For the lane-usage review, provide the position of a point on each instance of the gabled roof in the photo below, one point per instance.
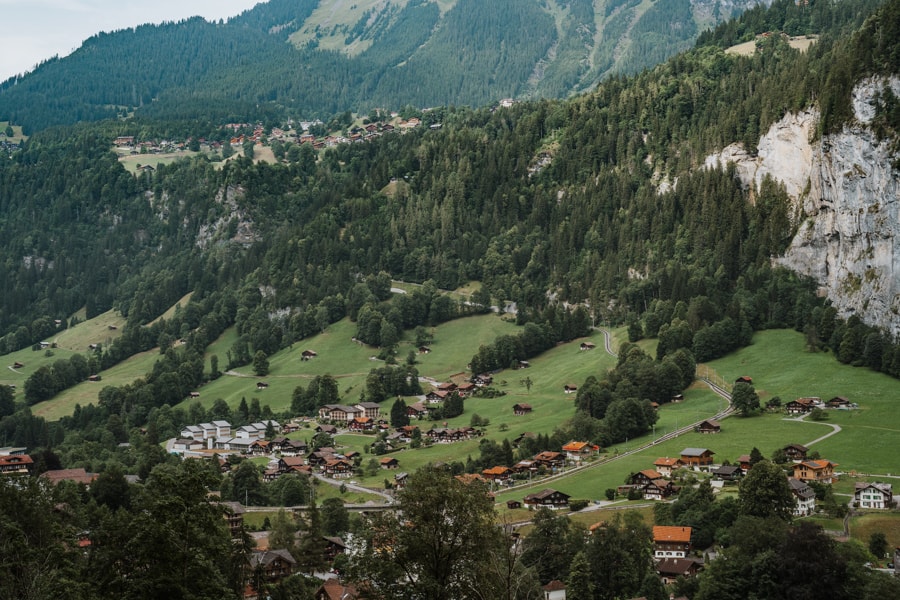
(816, 465)
(266, 557)
(695, 451)
(885, 488)
(801, 489)
(665, 533)
(651, 474)
(667, 462)
(676, 566)
(578, 447)
(76, 475)
(543, 494)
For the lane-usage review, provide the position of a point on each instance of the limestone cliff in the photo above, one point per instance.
(847, 203)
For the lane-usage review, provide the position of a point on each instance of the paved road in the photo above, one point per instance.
(835, 429)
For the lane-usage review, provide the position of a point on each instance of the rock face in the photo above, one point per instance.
(847, 200)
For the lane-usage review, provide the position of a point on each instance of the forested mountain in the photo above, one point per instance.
(308, 58)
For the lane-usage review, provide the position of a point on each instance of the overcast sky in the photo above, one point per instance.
(33, 30)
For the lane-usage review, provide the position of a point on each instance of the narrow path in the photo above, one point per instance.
(835, 429)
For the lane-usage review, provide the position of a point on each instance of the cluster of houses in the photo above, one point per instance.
(801, 406)
(219, 436)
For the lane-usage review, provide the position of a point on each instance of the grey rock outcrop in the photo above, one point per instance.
(846, 197)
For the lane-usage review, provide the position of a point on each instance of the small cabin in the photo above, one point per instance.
(94, 378)
(261, 385)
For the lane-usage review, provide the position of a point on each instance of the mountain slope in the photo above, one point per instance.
(319, 57)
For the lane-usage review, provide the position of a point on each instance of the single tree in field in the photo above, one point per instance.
(260, 363)
(745, 399)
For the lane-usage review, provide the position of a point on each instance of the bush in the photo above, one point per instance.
(576, 505)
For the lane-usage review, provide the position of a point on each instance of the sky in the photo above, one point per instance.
(34, 30)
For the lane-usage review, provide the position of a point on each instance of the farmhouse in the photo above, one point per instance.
(274, 565)
(587, 346)
(308, 355)
(338, 468)
(417, 411)
(521, 409)
(644, 477)
(728, 473)
(483, 379)
(549, 498)
(261, 385)
(550, 459)
(821, 471)
(466, 389)
(695, 458)
(570, 388)
(659, 489)
(873, 495)
(436, 396)
(15, 464)
(389, 463)
(497, 473)
(671, 541)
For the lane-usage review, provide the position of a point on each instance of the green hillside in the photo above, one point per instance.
(315, 58)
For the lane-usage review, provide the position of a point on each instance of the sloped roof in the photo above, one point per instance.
(666, 533)
(696, 451)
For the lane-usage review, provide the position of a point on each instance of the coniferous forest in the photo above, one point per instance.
(563, 206)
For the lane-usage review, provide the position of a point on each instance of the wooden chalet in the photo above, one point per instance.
(570, 388)
(550, 459)
(709, 426)
(671, 541)
(587, 346)
(644, 477)
(483, 379)
(670, 569)
(728, 473)
(521, 409)
(333, 589)
(15, 464)
(417, 411)
(333, 546)
(659, 489)
(666, 466)
(839, 402)
(270, 566)
(338, 468)
(795, 452)
(361, 424)
(308, 354)
(447, 387)
(821, 471)
(436, 396)
(389, 462)
(743, 462)
(326, 428)
(549, 498)
(261, 385)
(513, 504)
(696, 458)
(234, 515)
(801, 406)
(465, 390)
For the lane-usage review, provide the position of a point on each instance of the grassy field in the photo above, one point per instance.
(780, 366)
(863, 526)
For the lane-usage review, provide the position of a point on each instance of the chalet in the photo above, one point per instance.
(549, 498)
(15, 464)
(447, 387)
(671, 541)
(361, 424)
(445, 435)
(329, 429)
(370, 409)
(522, 364)
(483, 379)
(709, 426)
(873, 495)
(17, 365)
(292, 464)
(570, 388)
(804, 498)
(728, 473)
(587, 346)
(744, 379)
(666, 466)
(318, 458)
(466, 389)
(644, 477)
(261, 385)
(839, 402)
(271, 566)
(390, 462)
(697, 458)
(333, 546)
(417, 411)
(821, 471)
(407, 432)
(400, 480)
(579, 450)
(521, 409)
(234, 516)
(670, 569)
(436, 396)
(333, 589)
(801, 405)
(659, 489)
(351, 454)
(308, 355)
(194, 394)
(513, 504)
(497, 473)
(94, 378)
(76, 475)
(795, 452)
(550, 459)
(338, 468)
(259, 448)
(424, 349)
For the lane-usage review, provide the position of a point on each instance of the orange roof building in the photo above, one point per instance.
(671, 541)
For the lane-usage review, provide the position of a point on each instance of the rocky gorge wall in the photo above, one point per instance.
(846, 202)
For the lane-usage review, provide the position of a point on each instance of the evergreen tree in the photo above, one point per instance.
(399, 416)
